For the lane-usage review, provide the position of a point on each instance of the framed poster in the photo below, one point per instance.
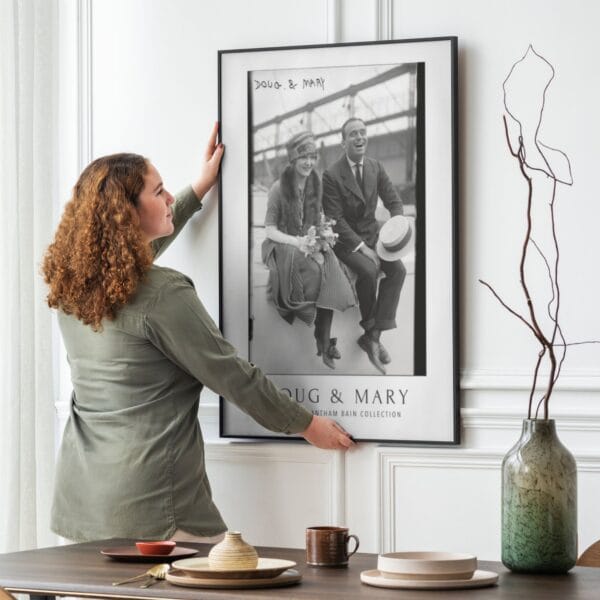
(338, 232)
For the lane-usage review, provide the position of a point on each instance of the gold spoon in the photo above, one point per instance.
(161, 573)
(157, 572)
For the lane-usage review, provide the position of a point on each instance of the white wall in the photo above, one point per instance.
(153, 89)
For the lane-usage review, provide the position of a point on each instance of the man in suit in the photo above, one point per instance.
(350, 191)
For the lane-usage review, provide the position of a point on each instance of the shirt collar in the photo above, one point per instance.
(352, 163)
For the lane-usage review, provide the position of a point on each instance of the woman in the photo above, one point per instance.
(305, 277)
(141, 347)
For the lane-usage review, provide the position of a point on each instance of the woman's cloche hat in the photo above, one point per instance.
(300, 144)
(394, 238)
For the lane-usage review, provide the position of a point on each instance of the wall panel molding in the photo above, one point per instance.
(78, 20)
(382, 490)
(290, 453)
(576, 419)
(392, 462)
(84, 83)
(520, 380)
(334, 21)
(582, 420)
(385, 20)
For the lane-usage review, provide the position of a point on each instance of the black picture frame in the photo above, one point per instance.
(417, 401)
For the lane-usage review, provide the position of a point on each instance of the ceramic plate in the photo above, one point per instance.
(479, 579)
(290, 577)
(267, 567)
(131, 553)
(427, 565)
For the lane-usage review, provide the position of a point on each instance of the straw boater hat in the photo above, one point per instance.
(394, 238)
(300, 144)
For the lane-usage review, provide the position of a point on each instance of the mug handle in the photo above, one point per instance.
(356, 542)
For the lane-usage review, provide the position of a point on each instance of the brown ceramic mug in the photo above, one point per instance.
(328, 546)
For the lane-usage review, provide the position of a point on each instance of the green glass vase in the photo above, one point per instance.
(539, 502)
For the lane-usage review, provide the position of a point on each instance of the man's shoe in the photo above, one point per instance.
(328, 361)
(326, 356)
(372, 350)
(332, 350)
(384, 355)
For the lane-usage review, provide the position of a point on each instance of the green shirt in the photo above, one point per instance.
(131, 462)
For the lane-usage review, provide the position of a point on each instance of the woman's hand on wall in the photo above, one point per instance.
(209, 168)
(325, 433)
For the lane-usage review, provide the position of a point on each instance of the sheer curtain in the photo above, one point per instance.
(28, 157)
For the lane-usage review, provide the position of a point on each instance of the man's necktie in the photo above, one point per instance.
(359, 178)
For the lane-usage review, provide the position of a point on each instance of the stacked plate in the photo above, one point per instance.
(133, 554)
(428, 571)
(270, 572)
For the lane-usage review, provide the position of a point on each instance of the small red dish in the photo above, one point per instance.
(156, 548)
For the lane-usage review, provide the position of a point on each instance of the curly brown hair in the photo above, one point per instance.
(98, 255)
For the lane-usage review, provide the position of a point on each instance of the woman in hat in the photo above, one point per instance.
(306, 281)
(141, 347)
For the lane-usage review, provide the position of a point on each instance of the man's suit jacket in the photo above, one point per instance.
(353, 211)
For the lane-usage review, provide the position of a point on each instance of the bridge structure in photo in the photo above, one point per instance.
(386, 102)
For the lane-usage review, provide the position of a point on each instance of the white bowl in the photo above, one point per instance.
(427, 565)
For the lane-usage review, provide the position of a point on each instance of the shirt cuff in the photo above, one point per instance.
(300, 421)
(189, 202)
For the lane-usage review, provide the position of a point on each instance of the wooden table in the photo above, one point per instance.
(80, 570)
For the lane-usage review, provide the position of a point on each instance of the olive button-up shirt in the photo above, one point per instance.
(131, 462)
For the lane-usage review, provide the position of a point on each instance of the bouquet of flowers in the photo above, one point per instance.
(319, 239)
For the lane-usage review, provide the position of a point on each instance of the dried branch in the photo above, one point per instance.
(556, 373)
(578, 343)
(563, 355)
(526, 168)
(533, 156)
(541, 354)
(508, 308)
(553, 317)
(537, 408)
(543, 257)
(534, 321)
(537, 143)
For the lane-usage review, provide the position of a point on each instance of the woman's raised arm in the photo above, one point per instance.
(209, 167)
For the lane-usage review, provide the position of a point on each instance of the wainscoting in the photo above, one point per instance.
(164, 67)
(393, 498)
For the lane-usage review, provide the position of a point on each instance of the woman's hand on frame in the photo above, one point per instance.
(209, 169)
(325, 433)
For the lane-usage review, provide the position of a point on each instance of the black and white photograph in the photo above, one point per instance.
(337, 215)
(334, 202)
